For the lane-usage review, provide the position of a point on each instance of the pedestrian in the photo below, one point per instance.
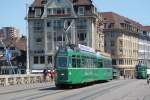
(124, 76)
(148, 79)
(52, 74)
(45, 72)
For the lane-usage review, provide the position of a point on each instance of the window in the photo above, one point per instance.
(39, 40)
(111, 25)
(105, 25)
(58, 24)
(58, 10)
(120, 43)
(81, 23)
(83, 62)
(107, 63)
(112, 43)
(35, 59)
(42, 59)
(81, 10)
(120, 61)
(82, 36)
(37, 12)
(49, 11)
(37, 26)
(78, 61)
(49, 59)
(49, 24)
(58, 1)
(114, 61)
(12, 48)
(122, 25)
(68, 10)
(113, 52)
(54, 10)
(112, 34)
(74, 61)
(99, 64)
(1, 48)
(61, 62)
(59, 38)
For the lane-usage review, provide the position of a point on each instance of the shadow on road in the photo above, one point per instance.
(49, 88)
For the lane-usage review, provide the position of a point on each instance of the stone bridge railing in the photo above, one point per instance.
(22, 79)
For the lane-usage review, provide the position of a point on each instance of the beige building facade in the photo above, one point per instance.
(121, 41)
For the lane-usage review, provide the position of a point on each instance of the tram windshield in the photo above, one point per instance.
(61, 62)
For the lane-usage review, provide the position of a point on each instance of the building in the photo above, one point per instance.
(99, 38)
(144, 46)
(121, 41)
(52, 23)
(18, 56)
(9, 33)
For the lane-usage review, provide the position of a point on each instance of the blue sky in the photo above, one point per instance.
(13, 11)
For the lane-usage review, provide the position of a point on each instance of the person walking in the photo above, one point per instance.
(52, 74)
(148, 79)
(45, 72)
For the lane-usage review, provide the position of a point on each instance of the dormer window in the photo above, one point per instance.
(37, 12)
(68, 10)
(81, 10)
(49, 11)
(58, 1)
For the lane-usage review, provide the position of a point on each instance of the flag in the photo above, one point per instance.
(7, 55)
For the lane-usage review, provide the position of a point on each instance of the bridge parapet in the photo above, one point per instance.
(22, 79)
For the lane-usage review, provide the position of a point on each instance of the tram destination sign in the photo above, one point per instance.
(86, 48)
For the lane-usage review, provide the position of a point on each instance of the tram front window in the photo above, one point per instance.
(61, 62)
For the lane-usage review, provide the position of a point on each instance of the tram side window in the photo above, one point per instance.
(94, 62)
(73, 61)
(90, 60)
(87, 64)
(83, 62)
(78, 61)
(99, 64)
(107, 63)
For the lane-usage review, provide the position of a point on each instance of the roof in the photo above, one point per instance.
(116, 18)
(21, 44)
(37, 3)
(83, 2)
(146, 28)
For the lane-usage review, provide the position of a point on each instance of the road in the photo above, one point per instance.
(131, 89)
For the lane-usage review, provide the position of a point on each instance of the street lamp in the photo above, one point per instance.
(28, 63)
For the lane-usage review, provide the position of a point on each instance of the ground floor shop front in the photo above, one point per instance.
(126, 72)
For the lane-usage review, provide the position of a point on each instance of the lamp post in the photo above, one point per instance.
(27, 33)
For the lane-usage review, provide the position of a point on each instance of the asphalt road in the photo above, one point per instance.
(113, 90)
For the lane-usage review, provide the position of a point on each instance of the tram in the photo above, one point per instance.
(81, 64)
(141, 71)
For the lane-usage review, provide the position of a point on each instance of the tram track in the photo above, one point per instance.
(104, 91)
(96, 93)
(22, 90)
(82, 93)
(38, 95)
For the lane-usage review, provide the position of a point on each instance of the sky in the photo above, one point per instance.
(13, 12)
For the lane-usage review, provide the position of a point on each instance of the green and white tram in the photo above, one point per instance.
(80, 64)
